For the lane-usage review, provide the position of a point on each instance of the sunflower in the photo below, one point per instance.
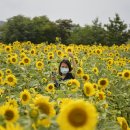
(123, 123)
(69, 83)
(105, 106)
(8, 71)
(2, 128)
(1, 74)
(126, 74)
(12, 102)
(10, 113)
(8, 48)
(88, 89)
(76, 60)
(119, 74)
(44, 122)
(26, 61)
(39, 65)
(13, 59)
(21, 63)
(50, 53)
(114, 71)
(50, 57)
(95, 70)
(44, 80)
(108, 67)
(103, 82)
(44, 106)
(59, 53)
(11, 80)
(109, 93)
(98, 51)
(22, 55)
(63, 101)
(85, 77)
(110, 61)
(25, 96)
(79, 71)
(1, 91)
(34, 113)
(101, 95)
(50, 88)
(73, 84)
(69, 49)
(33, 52)
(45, 49)
(77, 115)
(95, 86)
(11, 126)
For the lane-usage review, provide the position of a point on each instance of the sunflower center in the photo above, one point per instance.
(98, 51)
(50, 87)
(69, 83)
(87, 90)
(59, 53)
(120, 75)
(126, 74)
(101, 96)
(8, 71)
(7, 49)
(32, 52)
(79, 71)
(69, 50)
(124, 126)
(9, 115)
(95, 86)
(44, 108)
(21, 63)
(103, 82)
(77, 117)
(26, 60)
(85, 77)
(11, 103)
(25, 97)
(95, 70)
(10, 79)
(50, 57)
(39, 64)
(13, 59)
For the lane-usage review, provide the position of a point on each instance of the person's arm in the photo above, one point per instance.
(54, 80)
(73, 63)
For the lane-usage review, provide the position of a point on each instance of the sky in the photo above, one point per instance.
(79, 11)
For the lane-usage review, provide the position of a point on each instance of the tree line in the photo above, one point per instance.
(41, 29)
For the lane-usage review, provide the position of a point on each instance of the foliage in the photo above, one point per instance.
(41, 29)
(31, 92)
(116, 31)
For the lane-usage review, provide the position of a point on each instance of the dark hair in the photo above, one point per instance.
(66, 62)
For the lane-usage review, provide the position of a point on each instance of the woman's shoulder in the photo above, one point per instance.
(70, 75)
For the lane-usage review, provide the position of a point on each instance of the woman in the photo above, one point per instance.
(65, 70)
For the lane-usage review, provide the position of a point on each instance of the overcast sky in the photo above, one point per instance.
(80, 11)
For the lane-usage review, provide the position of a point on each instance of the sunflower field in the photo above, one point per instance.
(97, 99)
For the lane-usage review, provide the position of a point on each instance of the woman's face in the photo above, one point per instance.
(64, 65)
(64, 69)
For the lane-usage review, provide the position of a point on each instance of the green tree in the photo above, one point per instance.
(116, 31)
(64, 29)
(98, 32)
(89, 34)
(15, 29)
(43, 30)
(37, 30)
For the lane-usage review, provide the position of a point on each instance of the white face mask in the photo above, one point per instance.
(64, 70)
